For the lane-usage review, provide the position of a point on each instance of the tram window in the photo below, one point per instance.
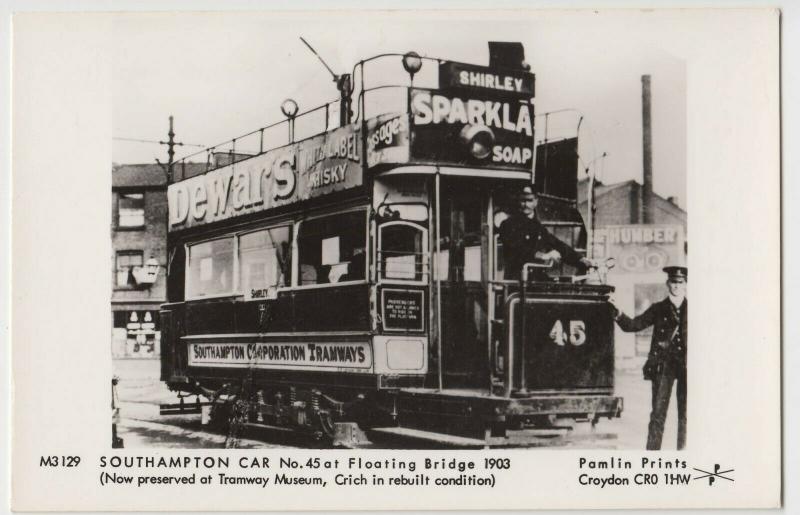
(499, 259)
(331, 249)
(210, 270)
(569, 234)
(264, 261)
(565, 234)
(401, 252)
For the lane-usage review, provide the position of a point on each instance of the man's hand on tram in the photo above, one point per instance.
(588, 263)
(553, 255)
(613, 301)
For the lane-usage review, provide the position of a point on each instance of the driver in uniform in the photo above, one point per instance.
(525, 239)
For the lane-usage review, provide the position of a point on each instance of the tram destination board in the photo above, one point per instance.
(471, 77)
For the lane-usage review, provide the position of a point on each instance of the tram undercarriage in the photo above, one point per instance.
(456, 417)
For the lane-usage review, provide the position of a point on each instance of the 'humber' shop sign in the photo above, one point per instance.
(313, 167)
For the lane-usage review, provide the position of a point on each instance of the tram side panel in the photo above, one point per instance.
(320, 321)
(568, 340)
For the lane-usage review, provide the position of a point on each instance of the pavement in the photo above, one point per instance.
(140, 392)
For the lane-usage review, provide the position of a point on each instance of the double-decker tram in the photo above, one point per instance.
(352, 274)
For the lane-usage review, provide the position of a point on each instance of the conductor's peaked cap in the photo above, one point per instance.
(677, 272)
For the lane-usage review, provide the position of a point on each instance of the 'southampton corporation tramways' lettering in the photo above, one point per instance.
(355, 355)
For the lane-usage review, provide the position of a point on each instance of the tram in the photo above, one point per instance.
(352, 274)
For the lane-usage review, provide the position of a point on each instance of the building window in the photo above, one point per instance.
(126, 261)
(265, 262)
(131, 210)
(332, 249)
(211, 268)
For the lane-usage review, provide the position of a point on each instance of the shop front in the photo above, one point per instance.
(641, 252)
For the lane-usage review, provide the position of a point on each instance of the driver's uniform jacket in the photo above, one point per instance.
(523, 237)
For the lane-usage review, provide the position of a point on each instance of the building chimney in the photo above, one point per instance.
(673, 200)
(647, 154)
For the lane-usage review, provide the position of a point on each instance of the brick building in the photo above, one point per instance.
(139, 259)
(138, 238)
(622, 203)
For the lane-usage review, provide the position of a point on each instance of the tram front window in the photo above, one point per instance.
(210, 268)
(332, 249)
(401, 251)
(570, 234)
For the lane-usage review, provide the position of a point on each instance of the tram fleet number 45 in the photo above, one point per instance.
(575, 335)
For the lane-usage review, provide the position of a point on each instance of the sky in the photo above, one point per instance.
(225, 74)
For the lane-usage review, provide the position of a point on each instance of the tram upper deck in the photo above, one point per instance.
(365, 242)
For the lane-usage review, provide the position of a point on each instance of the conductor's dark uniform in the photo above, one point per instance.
(523, 237)
(666, 363)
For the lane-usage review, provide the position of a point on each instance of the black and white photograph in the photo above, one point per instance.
(396, 239)
(396, 259)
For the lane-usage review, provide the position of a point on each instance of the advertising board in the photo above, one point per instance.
(641, 249)
(387, 139)
(471, 128)
(313, 167)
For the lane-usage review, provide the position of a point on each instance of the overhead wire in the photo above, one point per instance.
(137, 140)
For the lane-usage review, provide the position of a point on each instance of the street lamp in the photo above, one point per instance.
(289, 109)
(412, 63)
(146, 275)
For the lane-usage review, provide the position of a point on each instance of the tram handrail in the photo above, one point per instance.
(229, 146)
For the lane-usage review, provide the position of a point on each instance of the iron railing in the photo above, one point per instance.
(370, 101)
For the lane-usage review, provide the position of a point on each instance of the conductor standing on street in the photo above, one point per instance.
(524, 239)
(666, 362)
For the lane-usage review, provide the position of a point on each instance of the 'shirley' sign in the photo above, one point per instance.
(468, 76)
(310, 168)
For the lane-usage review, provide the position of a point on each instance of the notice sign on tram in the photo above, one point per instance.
(346, 355)
(313, 167)
(403, 310)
